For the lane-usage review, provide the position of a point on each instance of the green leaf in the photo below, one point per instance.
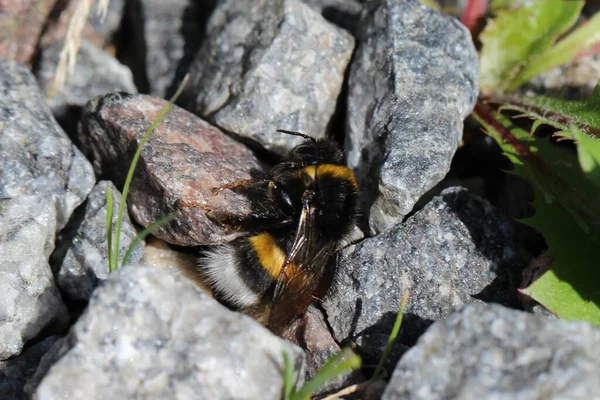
(581, 39)
(289, 377)
(498, 5)
(565, 115)
(588, 153)
(161, 114)
(145, 232)
(392, 338)
(109, 218)
(510, 40)
(337, 365)
(566, 214)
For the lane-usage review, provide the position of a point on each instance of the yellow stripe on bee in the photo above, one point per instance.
(311, 171)
(270, 255)
(336, 171)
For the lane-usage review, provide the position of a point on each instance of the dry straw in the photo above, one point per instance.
(68, 54)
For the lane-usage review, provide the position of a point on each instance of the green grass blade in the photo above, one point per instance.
(289, 380)
(109, 217)
(392, 338)
(163, 111)
(344, 361)
(145, 232)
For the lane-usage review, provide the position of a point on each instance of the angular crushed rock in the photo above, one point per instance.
(43, 178)
(29, 298)
(491, 352)
(313, 335)
(413, 80)
(35, 154)
(21, 22)
(449, 251)
(165, 36)
(81, 256)
(96, 73)
(182, 161)
(267, 65)
(151, 333)
(107, 26)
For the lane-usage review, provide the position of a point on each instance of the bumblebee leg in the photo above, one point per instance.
(349, 244)
(246, 183)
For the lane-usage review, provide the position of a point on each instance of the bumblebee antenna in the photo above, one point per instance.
(312, 139)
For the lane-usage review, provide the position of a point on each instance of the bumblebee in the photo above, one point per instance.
(302, 212)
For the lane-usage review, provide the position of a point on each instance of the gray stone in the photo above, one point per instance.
(29, 298)
(448, 252)
(43, 178)
(311, 333)
(36, 157)
(412, 82)
(15, 373)
(96, 73)
(267, 65)
(164, 38)
(491, 352)
(183, 160)
(81, 256)
(151, 333)
(107, 26)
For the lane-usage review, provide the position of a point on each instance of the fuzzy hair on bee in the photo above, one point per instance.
(302, 211)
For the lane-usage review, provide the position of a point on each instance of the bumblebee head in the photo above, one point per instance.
(314, 151)
(322, 151)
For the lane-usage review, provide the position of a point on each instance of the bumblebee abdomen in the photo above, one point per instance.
(242, 272)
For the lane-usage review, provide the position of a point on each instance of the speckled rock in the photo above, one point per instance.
(95, 32)
(448, 252)
(162, 41)
(165, 339)
(81, 256)
(491, 352)
(96, 73)
(182, 161)
(311, 333)
(267, 65)
(21, 22)
(412, 82)
(15, 373)
(106, 26)
(36, 157)
(29, 298)
(43, 178)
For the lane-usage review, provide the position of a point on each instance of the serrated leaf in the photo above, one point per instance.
(581, 39)
(566, 214)
(515, 36)
(564, 115)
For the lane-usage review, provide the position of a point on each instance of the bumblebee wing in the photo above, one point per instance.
(301, 272)
(295, 288)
